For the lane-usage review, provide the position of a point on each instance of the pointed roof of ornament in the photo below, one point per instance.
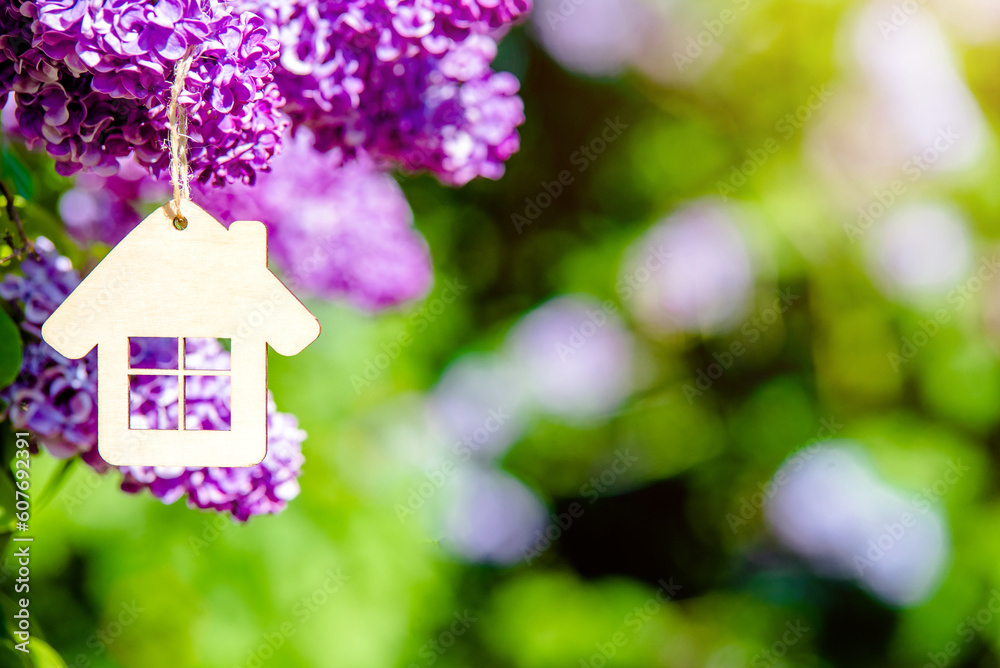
(202, 281)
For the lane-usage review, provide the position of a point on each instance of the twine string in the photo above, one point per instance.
(178, 123)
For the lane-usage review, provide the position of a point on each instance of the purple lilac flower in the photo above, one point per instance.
(691, 272)
(832, 507)
(348, 235)
(493, 517)
(454, 117)
(103, 208)
(407, 84)
(482, 403)
(53, 397)
(244, 492)
(575, 356)
(92, 83)
(56, 399)
(8, 119)
(598, 38)
(919, 251)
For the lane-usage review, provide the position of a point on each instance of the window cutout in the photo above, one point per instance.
(207, 404)
(152, 402)
(152, 352)
(206, 354)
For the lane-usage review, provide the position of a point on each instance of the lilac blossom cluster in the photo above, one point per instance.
(56, 399)
(403, 84)
(105, 208)
(407, 84)
(92, 80)
(243, 492)
(53, 397)
(349, 236)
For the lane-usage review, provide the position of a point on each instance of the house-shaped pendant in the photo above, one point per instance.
(202, 281)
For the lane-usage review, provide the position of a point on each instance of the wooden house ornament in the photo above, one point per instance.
(203, 281)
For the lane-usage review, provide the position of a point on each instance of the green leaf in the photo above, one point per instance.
(55, 482)
(38, 221)
(7, 498)
(44, 656)
(8, 606)
(11, 349)
(12, 657)
(12, 168)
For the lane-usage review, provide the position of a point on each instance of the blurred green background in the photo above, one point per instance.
(736, 230)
